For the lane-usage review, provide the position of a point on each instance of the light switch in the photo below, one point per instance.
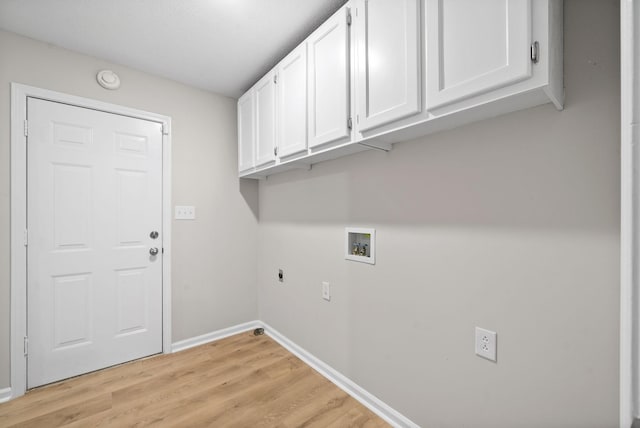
(185, 212)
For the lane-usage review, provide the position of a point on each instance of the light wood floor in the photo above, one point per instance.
(241, 381)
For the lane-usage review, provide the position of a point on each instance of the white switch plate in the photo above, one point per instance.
(326, 291)
(185, 212)
(486, 344)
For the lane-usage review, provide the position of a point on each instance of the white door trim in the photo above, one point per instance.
(629, 224)
(19, 94)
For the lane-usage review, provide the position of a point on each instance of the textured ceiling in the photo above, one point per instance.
(223, 46)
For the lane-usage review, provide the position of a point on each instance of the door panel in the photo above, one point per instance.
(265, 93)
(131, 300)
(292, 102)
(474, 47)
(329, 81)
(132, 198)
(246, 131)
(94, 195)
(72, 310)
(72, 218)
(388, 61)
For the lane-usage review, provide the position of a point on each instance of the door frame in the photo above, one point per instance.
(18, 266)
(629, 212)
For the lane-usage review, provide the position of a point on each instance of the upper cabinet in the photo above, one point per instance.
(291, 87)
(265, 119)
(476, 46)
(384, 71)
(330, 81)
(246, 132)
(387, 34)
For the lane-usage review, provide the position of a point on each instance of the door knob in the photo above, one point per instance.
(153, 251)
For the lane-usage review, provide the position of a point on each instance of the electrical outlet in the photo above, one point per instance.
(184, 212)
(326, 291)
(486, 344)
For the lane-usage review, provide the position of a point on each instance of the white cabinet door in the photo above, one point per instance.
(246, 132)
(388, 57)
(329, 81)
(292, 102)
(475, 46)
(265, 99)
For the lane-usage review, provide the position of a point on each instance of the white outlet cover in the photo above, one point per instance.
(486, 344)
(326, 291)
(185, 212)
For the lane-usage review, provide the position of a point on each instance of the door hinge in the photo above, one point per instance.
(26, 128)
(535, 52)
(349, 18)
(26, 237)
(350, 123)
(165, 129)
(26, 346)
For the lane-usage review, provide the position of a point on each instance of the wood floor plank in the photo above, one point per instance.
(239, 381)
(290, 403)
(213, 391)
(237, 409)
(69, 414)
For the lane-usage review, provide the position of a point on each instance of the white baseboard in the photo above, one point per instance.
(5, 394)
(369, 400)
(213, 336)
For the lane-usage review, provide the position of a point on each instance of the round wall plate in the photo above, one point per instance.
(108, 79)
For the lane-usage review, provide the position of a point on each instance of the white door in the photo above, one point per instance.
(329, 81)
(388, 33)
(94, 199)
(265, 99)
(246, 132)
(291, 85)
(475, 46)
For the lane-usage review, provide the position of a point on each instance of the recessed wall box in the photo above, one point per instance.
(360, 245)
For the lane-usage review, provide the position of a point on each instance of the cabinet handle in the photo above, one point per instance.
(535, 52)
(275, 151)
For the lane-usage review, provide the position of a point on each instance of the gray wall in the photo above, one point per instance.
(511, 224)
(214, 257)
